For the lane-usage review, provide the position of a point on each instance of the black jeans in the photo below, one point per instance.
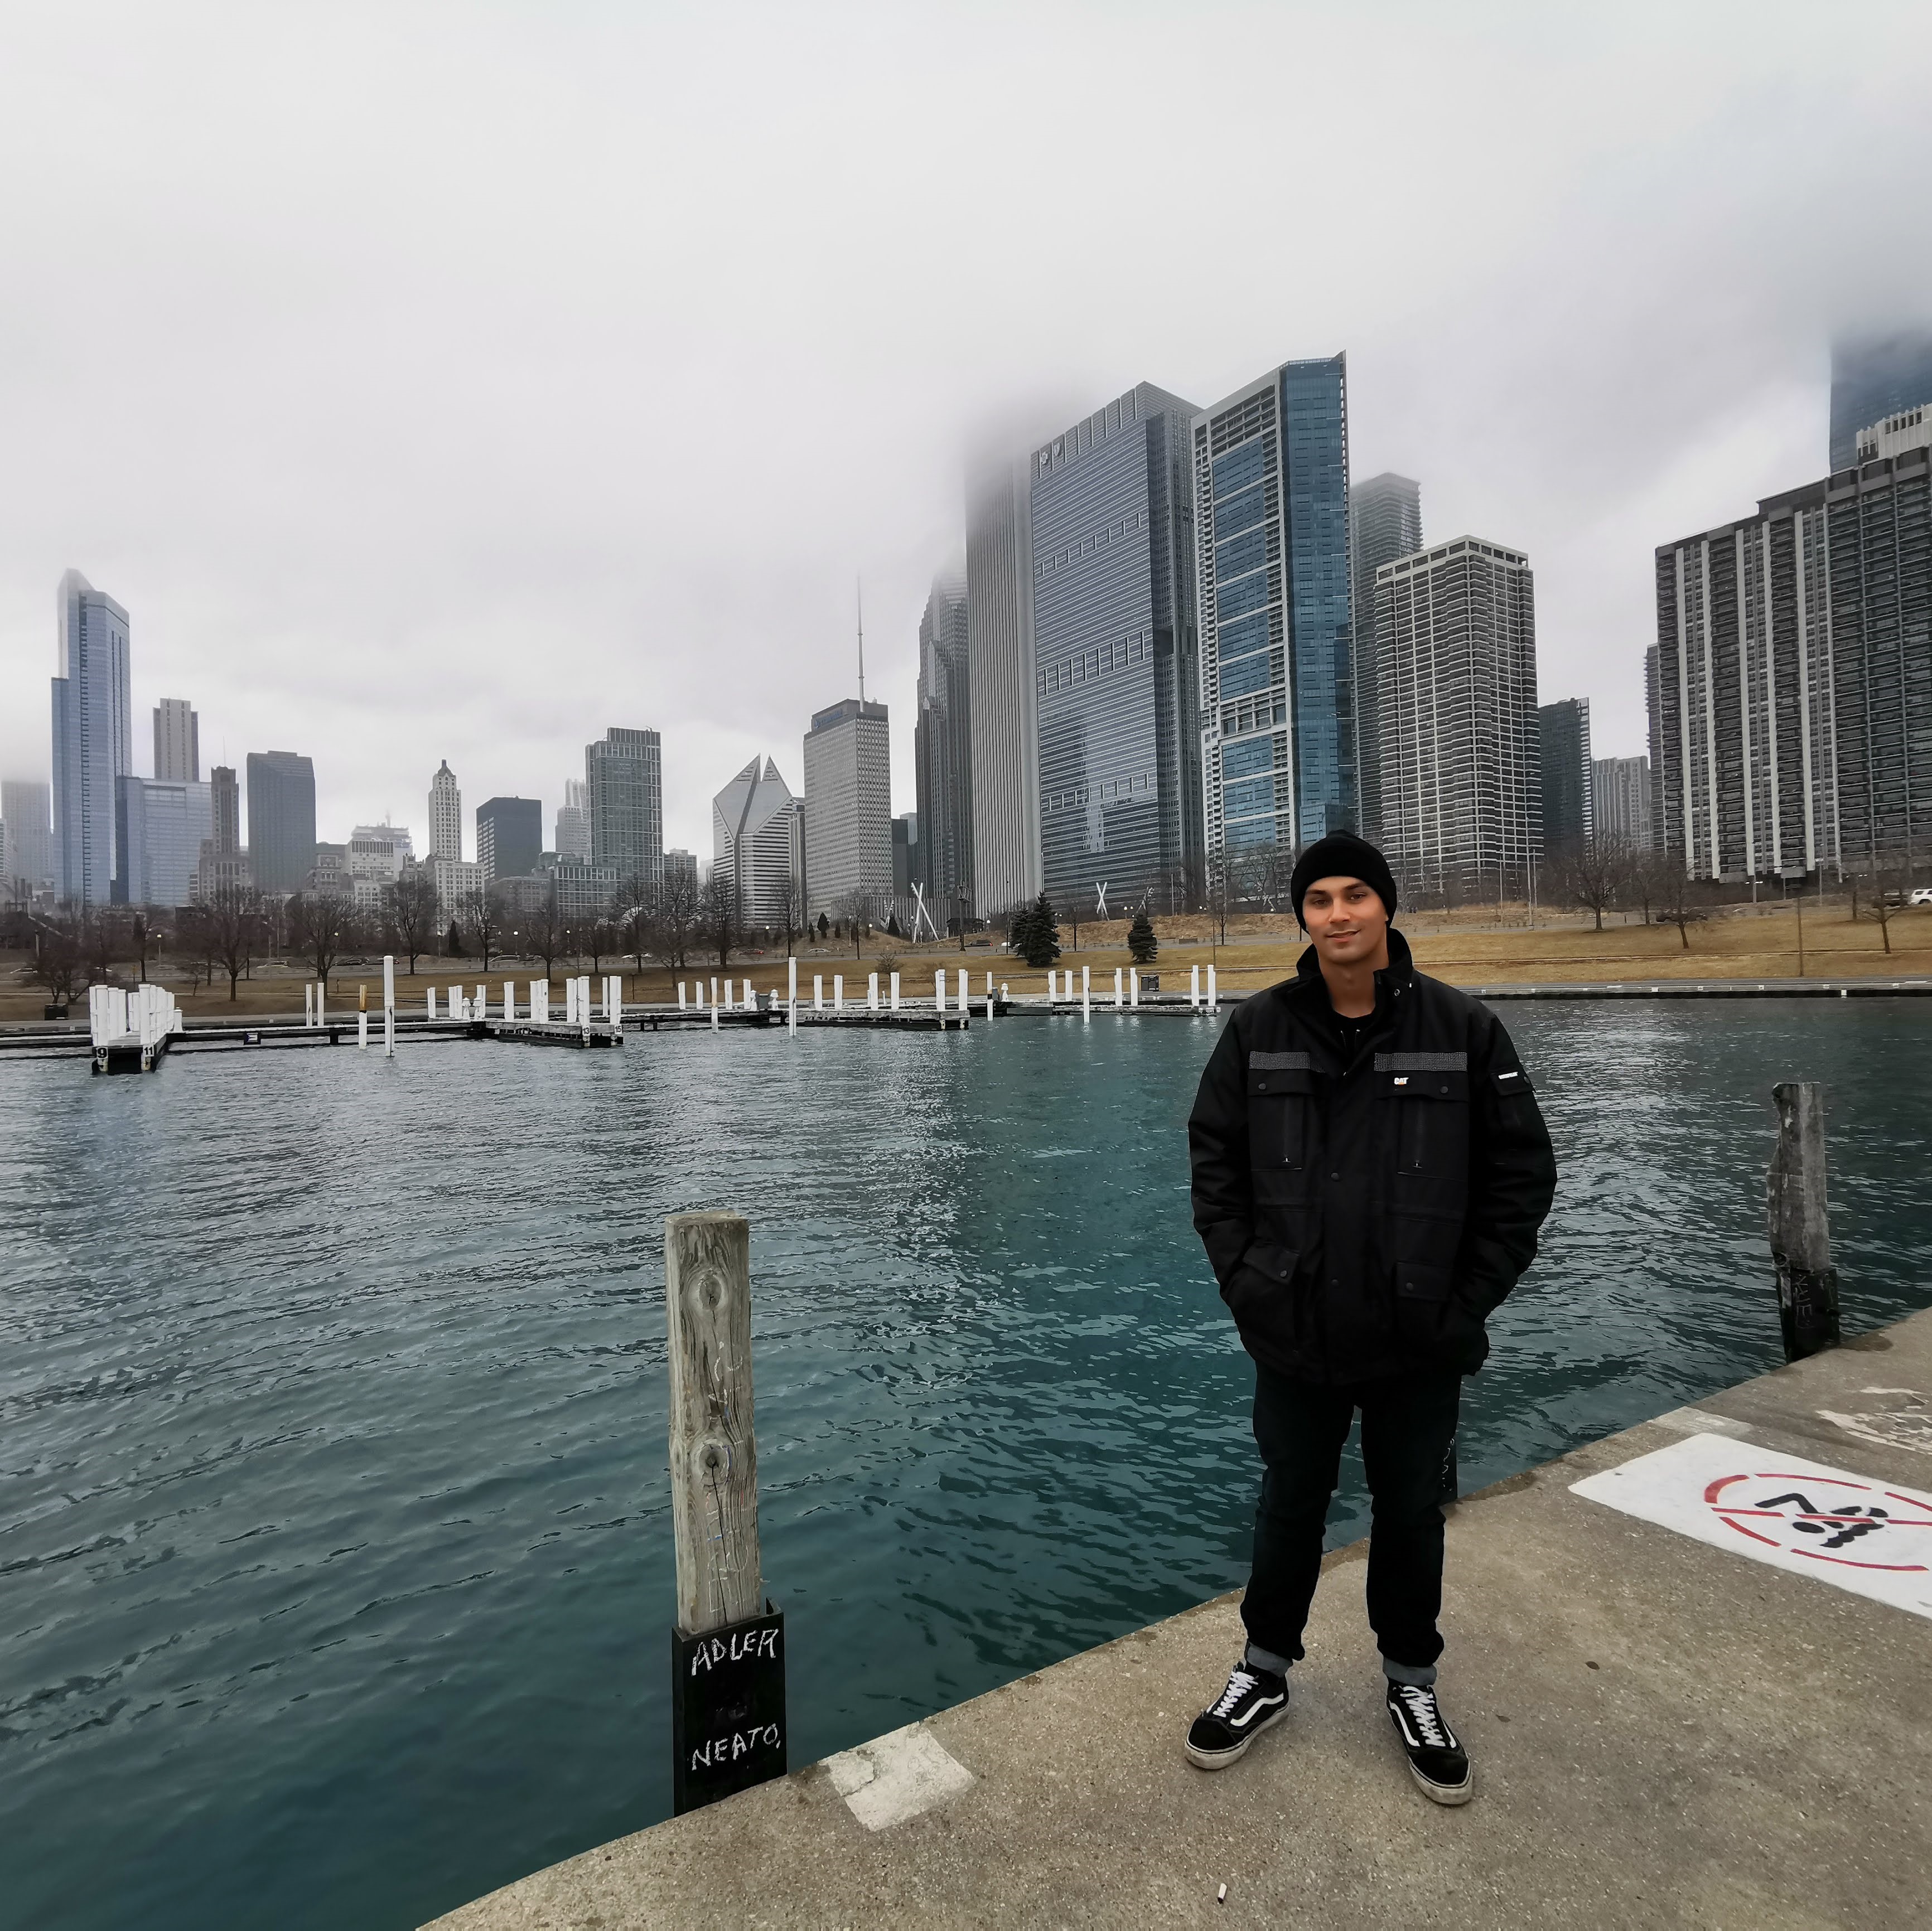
(1408, 1430)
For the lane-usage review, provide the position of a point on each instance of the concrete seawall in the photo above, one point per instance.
(1665, 1730)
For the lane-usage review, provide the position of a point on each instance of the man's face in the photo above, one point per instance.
(1346, 919)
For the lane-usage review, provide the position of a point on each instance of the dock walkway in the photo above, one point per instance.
(1664, 1732)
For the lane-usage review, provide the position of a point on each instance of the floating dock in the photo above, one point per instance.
(1684, 1707)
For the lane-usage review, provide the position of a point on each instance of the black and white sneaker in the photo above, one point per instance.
(1253, 1699)
(1436, 1759)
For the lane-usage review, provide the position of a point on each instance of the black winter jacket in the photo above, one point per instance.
(1363, 1219)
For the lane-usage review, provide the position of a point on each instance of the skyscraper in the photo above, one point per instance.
(1620, 801)
(573, 823)
(1564, 738)
(1874, 376)
(177, 742)
(509, 837)
(1385, 522)
(848, 794)
(92, 740)
(1277, 699)
(1000, 671)
(160, 830)
(758, 843)
(445, 815)
(1653, 711)
(1794, 712)
(223, 862)
(26, 812)
(281, 819)
(942, 754)
(1462, 785)
(1114, 651)
(624, 800)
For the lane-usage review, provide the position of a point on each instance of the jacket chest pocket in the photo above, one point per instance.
(1431, 1116)
(1279, 1128)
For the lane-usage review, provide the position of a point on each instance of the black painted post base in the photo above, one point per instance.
(727, 1710)
(1808, 1308)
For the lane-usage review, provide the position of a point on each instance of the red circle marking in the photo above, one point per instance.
(1729, 1515)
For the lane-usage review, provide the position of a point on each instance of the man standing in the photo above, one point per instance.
(1370, 1171)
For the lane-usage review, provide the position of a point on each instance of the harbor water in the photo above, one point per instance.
(334, 1534)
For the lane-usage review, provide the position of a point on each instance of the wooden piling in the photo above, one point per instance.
(1800, 1238)
(714, 1462)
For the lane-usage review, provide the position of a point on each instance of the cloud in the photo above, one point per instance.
(457, 383)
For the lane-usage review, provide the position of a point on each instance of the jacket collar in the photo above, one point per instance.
(1391, 982)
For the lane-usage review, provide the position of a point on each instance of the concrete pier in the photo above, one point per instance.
(1664, 1732)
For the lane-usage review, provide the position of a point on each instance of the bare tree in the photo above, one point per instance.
(674, 911)
(1889, 886)
(790, 898)
(546, 931)
(234, 916)
(1221, 886)
(321, 929)
(859, 910)
(1593, 873)
(717, 920)
(1674, 895)
(485, 915)
(414, 915)
(60, 962)
(1270, 873)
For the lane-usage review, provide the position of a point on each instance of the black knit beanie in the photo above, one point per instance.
(1342, 855)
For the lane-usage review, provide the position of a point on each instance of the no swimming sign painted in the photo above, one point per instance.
(1867, 1536)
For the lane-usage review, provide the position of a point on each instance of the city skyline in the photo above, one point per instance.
(341, 538)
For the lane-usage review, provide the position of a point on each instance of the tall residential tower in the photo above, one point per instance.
(92, 738)
(1114, 654)
(1461, 762)
(848, 809)
(942, 859)
(1385, 522)
(1277, 688)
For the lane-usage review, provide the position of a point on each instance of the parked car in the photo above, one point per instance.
(1922, 896)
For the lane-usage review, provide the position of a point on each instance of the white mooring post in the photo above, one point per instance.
(1213, 992)
(429, 998)
(750, 997)
(1086, 993)
(872, 992)
(308, 1005)
(838, 992)
(1194, 985)
(818, 992)
(791, 980)
(389, 1007)
(1133, 986)
(1120, 989)
(714, 993)
(896, 992)
(680, 995)
(939, 990)
(791, 1015)
(482, 1003)
(584, 1004)
(509, 1001)
(362, 1030)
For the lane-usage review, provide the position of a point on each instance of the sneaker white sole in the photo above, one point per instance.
(1449, 1795)
(1221, 1759)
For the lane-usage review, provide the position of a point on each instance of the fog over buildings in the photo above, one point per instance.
(418, 425)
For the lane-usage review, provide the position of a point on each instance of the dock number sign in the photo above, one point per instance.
(1835, 1527)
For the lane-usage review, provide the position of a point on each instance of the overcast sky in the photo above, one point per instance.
(455, 382)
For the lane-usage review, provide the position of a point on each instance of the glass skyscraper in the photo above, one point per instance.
(93, 743)
(1385, 522)
(281, 819)
(1114, 652)
(1873, 377)
(1278, 757)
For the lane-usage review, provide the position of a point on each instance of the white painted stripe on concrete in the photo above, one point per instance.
(1701, 1421)
(896, 1777)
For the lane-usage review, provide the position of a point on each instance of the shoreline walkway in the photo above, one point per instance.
(1665, 1730)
